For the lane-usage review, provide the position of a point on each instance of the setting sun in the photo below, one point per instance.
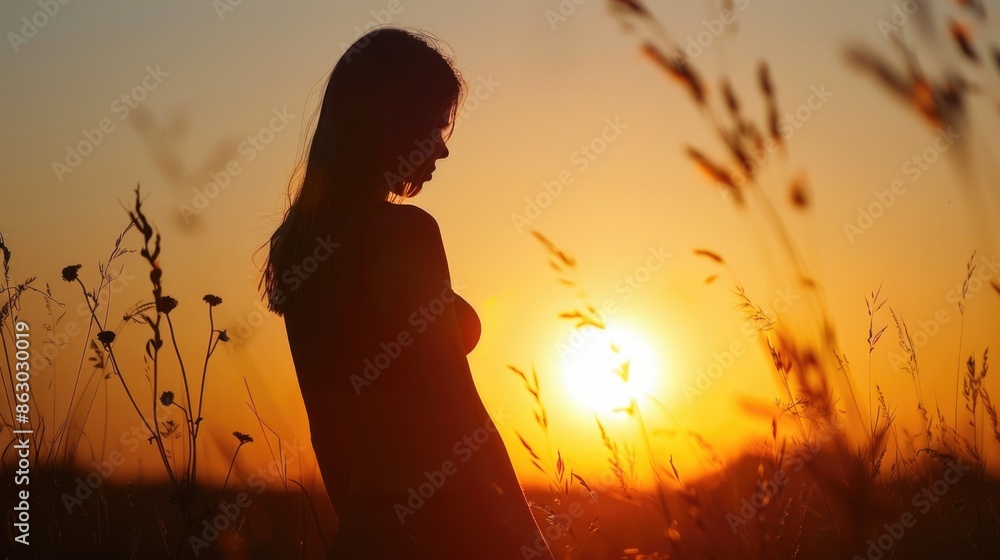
(604, 369)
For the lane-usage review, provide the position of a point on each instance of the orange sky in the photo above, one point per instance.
(238, 90)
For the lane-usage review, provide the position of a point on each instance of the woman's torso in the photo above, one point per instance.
(362, 377)
(396, 438)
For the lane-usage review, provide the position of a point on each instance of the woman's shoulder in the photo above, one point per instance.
(407, 213)
(391, 219)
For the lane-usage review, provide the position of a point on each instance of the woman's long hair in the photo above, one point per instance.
(385, 96)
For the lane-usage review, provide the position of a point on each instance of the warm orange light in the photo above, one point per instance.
(604, 369)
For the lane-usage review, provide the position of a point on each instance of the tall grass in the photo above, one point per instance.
(848, 483)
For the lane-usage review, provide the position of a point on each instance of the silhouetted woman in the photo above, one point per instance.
(412, 462)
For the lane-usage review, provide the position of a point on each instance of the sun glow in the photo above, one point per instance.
(605, 369)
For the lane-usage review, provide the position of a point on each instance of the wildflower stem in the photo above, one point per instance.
(196, 418)
(230, 471)
(208, 354)
(192, 438)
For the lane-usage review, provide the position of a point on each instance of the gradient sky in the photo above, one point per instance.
(223, 77)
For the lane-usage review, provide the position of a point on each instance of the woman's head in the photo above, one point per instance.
(388, 109)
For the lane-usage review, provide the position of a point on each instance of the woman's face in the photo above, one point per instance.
(439, 137)
(418, 165)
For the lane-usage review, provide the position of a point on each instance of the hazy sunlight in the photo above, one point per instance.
(605, 369)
